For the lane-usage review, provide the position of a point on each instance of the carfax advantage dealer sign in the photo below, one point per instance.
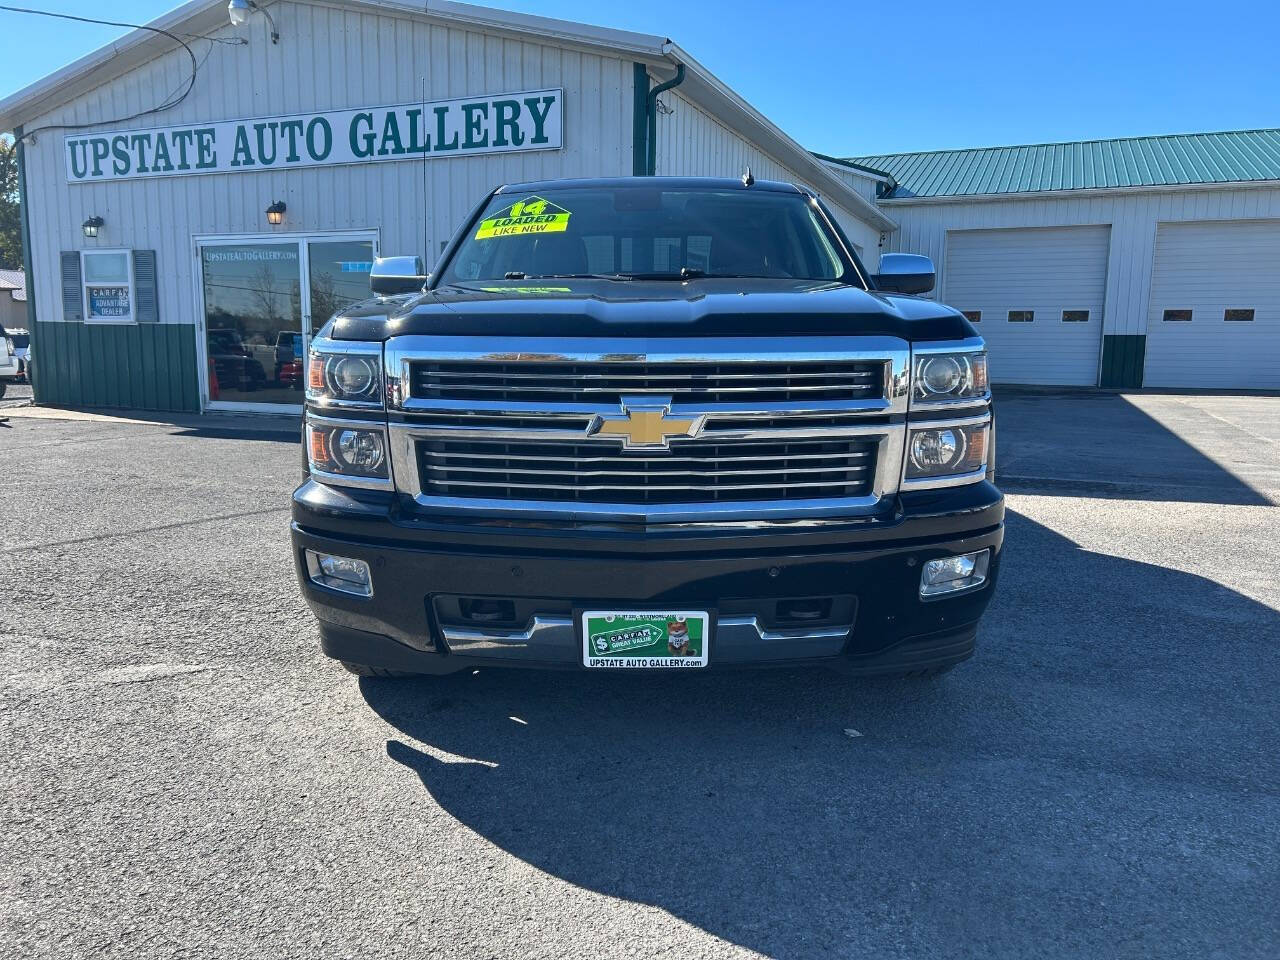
(443, 128)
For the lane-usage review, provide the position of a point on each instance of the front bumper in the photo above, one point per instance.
(841, 595)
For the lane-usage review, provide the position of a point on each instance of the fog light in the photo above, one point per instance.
(953, 574)
(339, 573)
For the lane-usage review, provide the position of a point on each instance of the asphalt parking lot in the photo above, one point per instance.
(15, 395)
(185, 775)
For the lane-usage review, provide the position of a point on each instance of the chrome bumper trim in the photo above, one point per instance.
(556, 638)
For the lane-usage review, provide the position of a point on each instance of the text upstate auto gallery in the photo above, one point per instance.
(514, 121)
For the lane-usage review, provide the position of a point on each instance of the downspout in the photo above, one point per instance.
(651, 110)
(29, 278)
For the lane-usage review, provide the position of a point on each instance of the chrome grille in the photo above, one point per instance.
(782, 429)
(702, 470)
(606, 382)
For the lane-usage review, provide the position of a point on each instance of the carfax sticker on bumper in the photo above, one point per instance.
(645, 639)
(530, 215)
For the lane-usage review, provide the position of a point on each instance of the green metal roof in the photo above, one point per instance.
(1235, 156)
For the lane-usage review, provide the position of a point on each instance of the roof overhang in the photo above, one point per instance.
(700, 86)
(1081, 193)
(201, 16)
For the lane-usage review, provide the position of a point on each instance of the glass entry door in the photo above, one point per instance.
(261, 298)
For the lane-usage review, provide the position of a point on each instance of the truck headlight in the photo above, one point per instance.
(948, 377)
(351, 452)
(345, 379)
(946, 452)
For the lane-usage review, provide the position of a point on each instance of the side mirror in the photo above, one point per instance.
(393, 275)
(906, 273)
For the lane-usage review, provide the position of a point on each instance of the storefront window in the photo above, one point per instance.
(253, 322)
(263, 300)
(108, 286)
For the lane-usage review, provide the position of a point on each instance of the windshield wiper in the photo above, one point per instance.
(686, 273)
(521, 275)
(573, 276)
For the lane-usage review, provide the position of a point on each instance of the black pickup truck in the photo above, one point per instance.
(648, 423)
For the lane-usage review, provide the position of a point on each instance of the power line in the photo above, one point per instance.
(173, 100)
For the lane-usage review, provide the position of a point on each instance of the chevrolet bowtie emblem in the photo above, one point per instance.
(645, 424)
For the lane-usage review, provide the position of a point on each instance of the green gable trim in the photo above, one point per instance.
(1123, 356)
(639, 120)
(1233, 156)
(130, 366)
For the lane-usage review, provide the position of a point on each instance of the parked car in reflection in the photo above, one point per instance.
(233, 362)
(289, 365)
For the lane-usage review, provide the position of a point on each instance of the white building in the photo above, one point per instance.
(13, 300)
(1150, 261)
(370, 127)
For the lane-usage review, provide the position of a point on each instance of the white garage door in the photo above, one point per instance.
(1039, 295)
(1215, 306)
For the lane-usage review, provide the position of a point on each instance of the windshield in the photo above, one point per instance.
(633, 232)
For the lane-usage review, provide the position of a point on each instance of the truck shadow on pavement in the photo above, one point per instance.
(1104, 445)
(1099, 781)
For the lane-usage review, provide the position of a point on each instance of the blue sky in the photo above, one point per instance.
(862, 78)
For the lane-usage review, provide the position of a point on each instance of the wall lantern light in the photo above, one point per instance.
(275, 213)
(90, 226)
(239, 10)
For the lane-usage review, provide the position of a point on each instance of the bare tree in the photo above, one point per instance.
(263, 294)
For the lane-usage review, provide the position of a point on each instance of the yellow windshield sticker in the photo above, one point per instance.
(530, 215)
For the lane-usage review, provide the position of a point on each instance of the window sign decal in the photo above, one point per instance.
(497, 123)
(530, 215)
(109, 302)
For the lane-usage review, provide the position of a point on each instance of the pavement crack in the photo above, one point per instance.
(117, 534)
(1186, 402)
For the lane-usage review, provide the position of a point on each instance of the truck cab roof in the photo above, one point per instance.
(650, 183)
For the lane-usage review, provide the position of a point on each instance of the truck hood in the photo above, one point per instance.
(637, 308)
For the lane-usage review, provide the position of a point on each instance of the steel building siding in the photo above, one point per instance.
(1137, 186)
(1133, 217)
(117, 365)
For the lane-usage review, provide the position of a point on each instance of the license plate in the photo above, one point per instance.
(646, 639)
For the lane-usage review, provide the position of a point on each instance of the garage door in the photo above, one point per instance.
(1215, 306)
(1037, 296)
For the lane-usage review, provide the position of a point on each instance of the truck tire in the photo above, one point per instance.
(3, 387)
(364, 670)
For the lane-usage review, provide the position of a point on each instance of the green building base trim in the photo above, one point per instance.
(1123, 356)
(149, 366)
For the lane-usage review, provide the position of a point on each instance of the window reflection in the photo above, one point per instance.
(253, 322)
(339, 275)
(255, 306)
